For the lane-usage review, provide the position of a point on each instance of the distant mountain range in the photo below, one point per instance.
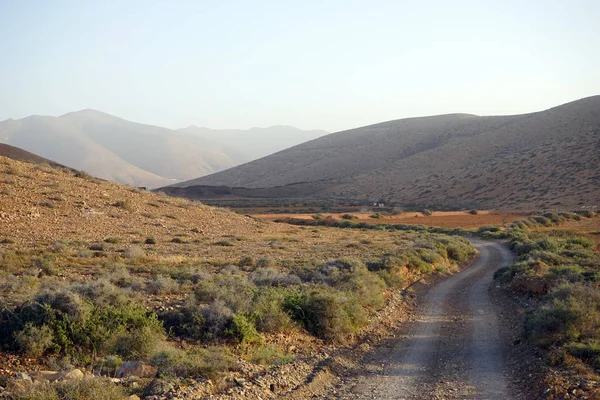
(115, 149)
(547, 159)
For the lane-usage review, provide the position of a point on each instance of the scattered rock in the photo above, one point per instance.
(22, 376)
(137, 369)
(157, 387)
(45, 376)
(73, 375)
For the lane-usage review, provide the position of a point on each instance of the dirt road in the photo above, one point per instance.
(452, 349)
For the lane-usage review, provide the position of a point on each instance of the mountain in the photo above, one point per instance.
(255, 143)
(547, 159)
(126, 152)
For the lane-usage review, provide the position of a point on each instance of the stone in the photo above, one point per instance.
(138, 369)
(157, 387)
(45, 376)
(22, 376)
(134, 397)
(73, 375)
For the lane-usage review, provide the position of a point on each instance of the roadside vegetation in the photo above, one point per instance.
(560, 272)
(198, 292)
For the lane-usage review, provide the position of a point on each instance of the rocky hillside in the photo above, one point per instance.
(546, 159)
(115, 149)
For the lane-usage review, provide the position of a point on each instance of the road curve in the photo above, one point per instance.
(452, 348)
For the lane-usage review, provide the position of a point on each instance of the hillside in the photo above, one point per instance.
(21, 155)
(545, 159)
(115, 149)
(254, 143)
(123, 274)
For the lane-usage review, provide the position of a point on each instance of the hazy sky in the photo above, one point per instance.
(312, 64)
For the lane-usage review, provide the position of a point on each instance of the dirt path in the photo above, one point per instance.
(451, 349)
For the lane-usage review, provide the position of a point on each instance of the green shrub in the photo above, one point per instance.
(318, 216)
(376, 216)
(329, 314)
(270, 356)
(244, 330)
(459, 252)
(588, 351)
(150, 240)
(473, 212)
(273, 277)
(161, 284)
(137, 343)
(427, 212)
(573, 315)
(34, 341)
(246, 261)
(349, 216)
(66, 322)
(268, 311)
(192, 364)
(80, 389)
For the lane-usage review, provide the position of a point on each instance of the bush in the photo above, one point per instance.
(588, 351)
(124, 204)
(326, 313)
(138, 343)
(134, 252)
(272, 277)
(473, 212)
(573, 315)
(270, 356)
(268, 311)
(161, 284)
(34, 341)
(80, 389)
(65, 323)
(459, 252)
(217, 319)
(246, 261)
(244, 330)
(150, 240)
(349, 216)
(427, 212)
(192, 364)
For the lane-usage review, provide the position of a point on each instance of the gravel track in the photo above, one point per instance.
(452, 347)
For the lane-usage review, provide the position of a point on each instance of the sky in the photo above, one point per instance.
(329, 64)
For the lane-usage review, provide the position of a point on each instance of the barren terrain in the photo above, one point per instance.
(542, 160)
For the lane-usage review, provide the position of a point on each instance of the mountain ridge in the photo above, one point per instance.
(457, 160)
(137, 154)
